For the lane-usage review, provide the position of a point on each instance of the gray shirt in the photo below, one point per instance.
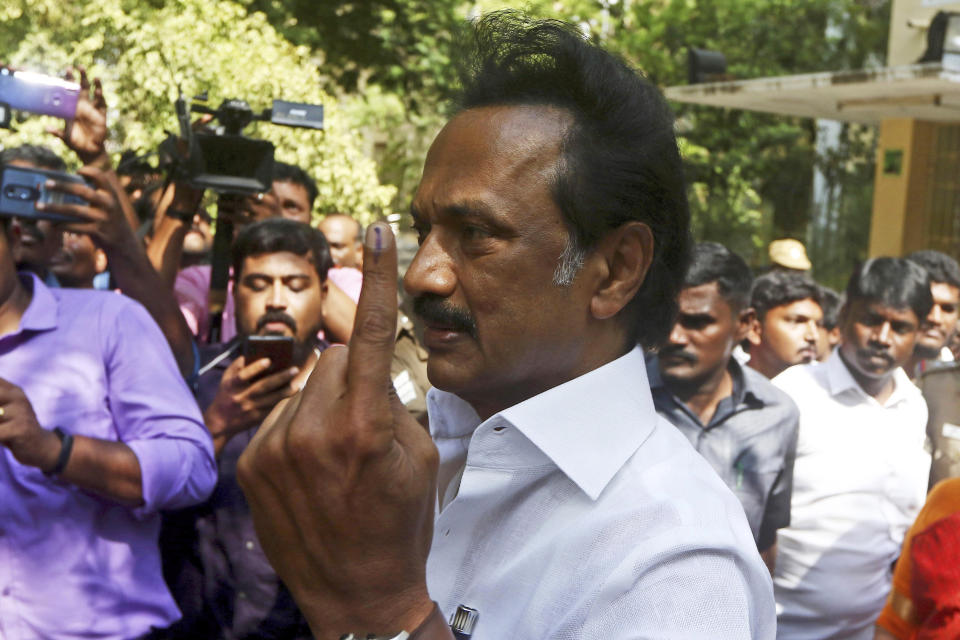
(751, 442)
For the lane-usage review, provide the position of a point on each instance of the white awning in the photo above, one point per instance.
(923, 91)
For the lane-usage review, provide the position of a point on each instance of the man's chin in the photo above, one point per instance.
(927, 349)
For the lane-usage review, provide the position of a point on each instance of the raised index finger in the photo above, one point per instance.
(375, 326)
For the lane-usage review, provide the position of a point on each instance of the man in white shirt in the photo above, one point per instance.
(860, 474)
(553, 238)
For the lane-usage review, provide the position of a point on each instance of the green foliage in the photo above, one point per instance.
(143, 51)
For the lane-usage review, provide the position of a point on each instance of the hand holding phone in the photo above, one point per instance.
(21, 189)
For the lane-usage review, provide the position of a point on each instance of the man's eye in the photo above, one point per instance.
(471, 232)
(948, 308)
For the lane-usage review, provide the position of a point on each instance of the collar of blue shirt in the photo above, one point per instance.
(41, 313)
(562, 422)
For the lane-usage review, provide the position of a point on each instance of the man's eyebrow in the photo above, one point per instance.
(462, 209)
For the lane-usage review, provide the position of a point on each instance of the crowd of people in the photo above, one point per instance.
(599, 429)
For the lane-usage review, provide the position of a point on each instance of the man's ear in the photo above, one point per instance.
(746, 321)
(755, 332)
(623, 259)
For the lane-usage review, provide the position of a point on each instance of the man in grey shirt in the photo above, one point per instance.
(744, 426)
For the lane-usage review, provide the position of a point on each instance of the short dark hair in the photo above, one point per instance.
(619, 159)
(713, 262)
(275, 235)
(831, 302)
(777, 288)
(893, 282)
(283, 172)
(36, 155)
(940, 266)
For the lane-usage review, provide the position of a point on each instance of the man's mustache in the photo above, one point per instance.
(678, 353)
(276, 316)
(876, 353)
(437, 312)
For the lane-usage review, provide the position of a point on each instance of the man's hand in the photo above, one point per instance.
(104, 218)
(244, 399)
(86, 134)
(30, 444)
(341, 480)
(242, 210)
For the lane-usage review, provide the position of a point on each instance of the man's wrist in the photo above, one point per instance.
(433, 627)
(99, 159)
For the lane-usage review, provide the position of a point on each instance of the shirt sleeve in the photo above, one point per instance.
(348, 279)
(777, 512)
(690, 592)
(154, 412)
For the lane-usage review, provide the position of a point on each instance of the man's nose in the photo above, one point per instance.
(277, 298)
(431, 271)
(935, 316)
(678, 335)
(882, 333)
(811, 331)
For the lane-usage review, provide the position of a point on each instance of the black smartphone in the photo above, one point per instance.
(38, 93)
(278, 348)
(21, 188)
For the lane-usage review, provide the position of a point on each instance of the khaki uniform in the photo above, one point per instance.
(408, 370)
(941, 390)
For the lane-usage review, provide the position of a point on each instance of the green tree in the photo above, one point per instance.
(143, 51)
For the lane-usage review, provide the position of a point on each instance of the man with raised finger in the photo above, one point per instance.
(213, 560)
(551, 501)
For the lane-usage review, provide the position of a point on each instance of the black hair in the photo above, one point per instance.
(619, 159)
(283, 172)
(893, 282)
(940, 266)
(831, 302)
(275, 235)
(777, 288)
(713, 262)
(36, 155)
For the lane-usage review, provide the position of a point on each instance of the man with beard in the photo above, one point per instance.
(213, 560)
(860, 474)
(744, 426)
(554, 235)
(788, 322)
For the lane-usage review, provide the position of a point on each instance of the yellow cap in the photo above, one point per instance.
(789, 253)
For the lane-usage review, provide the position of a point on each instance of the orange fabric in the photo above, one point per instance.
(899, 616)
(935, 587)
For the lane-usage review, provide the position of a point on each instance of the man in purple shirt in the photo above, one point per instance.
(98, 432)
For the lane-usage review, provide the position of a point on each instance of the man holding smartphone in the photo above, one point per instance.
(280, 270)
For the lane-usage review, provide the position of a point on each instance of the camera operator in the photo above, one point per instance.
(280, 269)
(98, 432)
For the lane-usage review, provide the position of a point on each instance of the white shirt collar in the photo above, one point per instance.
(570, 423)
(840, 379)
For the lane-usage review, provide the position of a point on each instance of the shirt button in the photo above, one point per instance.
(6, 591)
(242, 595)
(250, 545)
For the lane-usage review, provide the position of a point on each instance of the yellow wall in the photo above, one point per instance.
(908, 43)
(899, 221)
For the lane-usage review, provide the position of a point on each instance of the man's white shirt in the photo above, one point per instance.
(859, 480)
(580, 513)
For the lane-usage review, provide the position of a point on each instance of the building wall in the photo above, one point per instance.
(907, 43)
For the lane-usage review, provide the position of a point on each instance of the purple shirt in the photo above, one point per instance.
(74, 565)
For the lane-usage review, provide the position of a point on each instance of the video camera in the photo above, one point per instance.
(222, 158)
